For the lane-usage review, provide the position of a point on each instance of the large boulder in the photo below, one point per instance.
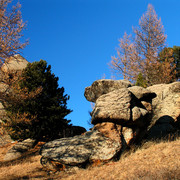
(80, 150)
(120, 107)
(167, 102)
(104, 86)
(166, 111)
(14, 63)
(123, 115)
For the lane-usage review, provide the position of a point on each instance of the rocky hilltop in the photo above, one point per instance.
(123, 115)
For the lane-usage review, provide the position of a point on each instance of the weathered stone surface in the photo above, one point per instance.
(138, 113)
(81, 149)
(167, 102)
(116, 132)
(18, 149)
(109, 130)
(147, 105)
(104, 86)
(120, 107)
(113, 106)
(142, 94)
(4, 139)
(122, 116)
(14, 63)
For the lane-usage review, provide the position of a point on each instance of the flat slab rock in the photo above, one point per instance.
(81, 149)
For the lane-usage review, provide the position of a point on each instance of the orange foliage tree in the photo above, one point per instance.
(11, 30)
(139, 54)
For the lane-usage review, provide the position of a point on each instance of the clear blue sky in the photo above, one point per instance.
(78, 37)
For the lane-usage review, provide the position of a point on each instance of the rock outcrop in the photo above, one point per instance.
(122, 116)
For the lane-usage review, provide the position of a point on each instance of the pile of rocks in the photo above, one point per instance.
(123, 114)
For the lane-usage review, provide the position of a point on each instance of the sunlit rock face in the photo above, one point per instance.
(14, 63)
(123, 115)
(121, 107)
(81, 149)
(104, 86)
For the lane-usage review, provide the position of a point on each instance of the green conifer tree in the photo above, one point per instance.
(141, 81)
(48, 108)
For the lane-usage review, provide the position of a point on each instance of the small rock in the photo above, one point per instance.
(18, 149)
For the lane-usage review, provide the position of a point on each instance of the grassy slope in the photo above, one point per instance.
(152, 161)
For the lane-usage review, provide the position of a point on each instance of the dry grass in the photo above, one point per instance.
(159, 161)
(152, 161)
(27, 167)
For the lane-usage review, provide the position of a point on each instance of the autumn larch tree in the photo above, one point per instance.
(139, 54)
(41, 108)
(11, 30)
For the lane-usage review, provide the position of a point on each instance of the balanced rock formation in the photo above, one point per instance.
(123, 114)
(118, 117)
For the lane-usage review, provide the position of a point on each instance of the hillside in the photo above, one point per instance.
(151, 161)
